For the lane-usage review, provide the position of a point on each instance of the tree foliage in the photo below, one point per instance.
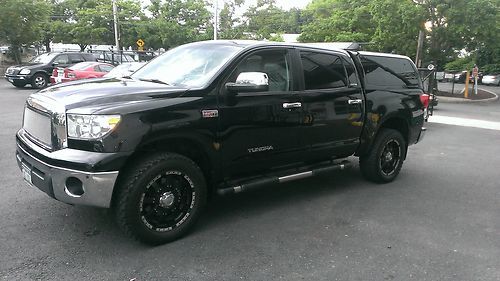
(22, 22)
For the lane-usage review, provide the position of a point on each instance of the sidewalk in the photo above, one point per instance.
(445, 94)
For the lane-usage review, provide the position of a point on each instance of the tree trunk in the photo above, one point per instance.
(82, 47)
(47, 45)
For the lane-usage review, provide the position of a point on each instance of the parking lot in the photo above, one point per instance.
(440, 220)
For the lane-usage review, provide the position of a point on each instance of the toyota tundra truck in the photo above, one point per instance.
(216, 118)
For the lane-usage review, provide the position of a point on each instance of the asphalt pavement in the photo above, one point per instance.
(440, 220)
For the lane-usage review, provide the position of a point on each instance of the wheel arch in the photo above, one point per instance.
(394, 122)
(186, 146)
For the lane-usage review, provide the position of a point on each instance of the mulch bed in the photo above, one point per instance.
(481, 95)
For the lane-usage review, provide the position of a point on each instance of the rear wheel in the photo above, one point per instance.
(385, 159)
(161, 198)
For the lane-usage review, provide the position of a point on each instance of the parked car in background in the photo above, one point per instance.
(448, 77)
(479, 78)
(460, 77)
(491, 79)
(115, 58)
(124, 69)
(37, 72)
(440, 76)
(83, 70)
(4, 49)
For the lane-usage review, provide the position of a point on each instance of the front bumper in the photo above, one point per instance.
(18, 79)
(92, 188)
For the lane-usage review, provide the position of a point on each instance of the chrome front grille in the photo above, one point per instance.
(38, 126)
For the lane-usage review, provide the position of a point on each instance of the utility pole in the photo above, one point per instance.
(420, 46)
(216, 20)
(115, 20)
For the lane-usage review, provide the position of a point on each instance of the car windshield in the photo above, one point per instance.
(43, 58)
(190, 66)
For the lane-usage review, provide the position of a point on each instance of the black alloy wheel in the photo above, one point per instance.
(390, 157)
(385, 158)
(167, 201)
(160, 198)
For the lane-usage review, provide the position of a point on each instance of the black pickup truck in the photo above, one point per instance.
(217, 117)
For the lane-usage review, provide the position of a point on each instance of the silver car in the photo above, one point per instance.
(491, 79)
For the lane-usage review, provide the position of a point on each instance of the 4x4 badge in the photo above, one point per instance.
(213, 113)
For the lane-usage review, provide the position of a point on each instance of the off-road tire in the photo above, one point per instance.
(140, 181)
(388, 143)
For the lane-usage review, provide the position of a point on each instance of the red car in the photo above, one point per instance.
(83, 70)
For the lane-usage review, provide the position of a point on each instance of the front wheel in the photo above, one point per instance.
(385, 159)
(39, 81)
(161, 198)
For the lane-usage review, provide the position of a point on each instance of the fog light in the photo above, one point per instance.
(74, 187)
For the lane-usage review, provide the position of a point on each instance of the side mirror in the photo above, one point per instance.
(55, 64)
(249, 82)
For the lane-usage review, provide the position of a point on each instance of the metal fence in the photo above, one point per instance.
(119, 57)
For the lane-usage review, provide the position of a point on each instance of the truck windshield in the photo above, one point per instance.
(190, 66)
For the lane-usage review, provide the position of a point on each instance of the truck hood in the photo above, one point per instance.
(101, 93)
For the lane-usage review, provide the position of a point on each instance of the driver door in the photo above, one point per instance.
(260, 130)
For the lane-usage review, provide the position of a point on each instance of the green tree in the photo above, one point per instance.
(266, 18)
(337, 21)
(397, 24)
(21, 23)
(175, 22)
(457, 25)
(228, 21)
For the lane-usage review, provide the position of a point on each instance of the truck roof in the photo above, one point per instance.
(330, 46)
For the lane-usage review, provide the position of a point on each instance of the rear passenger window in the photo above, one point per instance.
(389, 72)
(76, 58)
(322, 71)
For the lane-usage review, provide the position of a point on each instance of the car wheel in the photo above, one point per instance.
(39, 81)
(385, 159)
(160, 199)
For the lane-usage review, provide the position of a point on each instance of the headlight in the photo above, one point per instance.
(91, 126)
(25, 71)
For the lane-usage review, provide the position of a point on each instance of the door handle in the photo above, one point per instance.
(292, 105)
(355, 101)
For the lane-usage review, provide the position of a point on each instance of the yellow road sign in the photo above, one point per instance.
(140, 43)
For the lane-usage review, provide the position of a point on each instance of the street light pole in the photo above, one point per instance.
(115, 20)
(216, 20)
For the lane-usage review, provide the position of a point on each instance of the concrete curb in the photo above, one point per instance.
(462, 100)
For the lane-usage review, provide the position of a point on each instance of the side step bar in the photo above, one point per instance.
(254, 184)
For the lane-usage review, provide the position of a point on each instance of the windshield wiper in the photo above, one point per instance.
(154, 81)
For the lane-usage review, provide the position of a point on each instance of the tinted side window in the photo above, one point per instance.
(62, 59)
(89, 57)
(274, 63)
(322, 71)
(389, 72)
(76, 58)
